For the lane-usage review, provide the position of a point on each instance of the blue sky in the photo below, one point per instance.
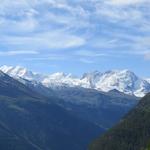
(76, 36)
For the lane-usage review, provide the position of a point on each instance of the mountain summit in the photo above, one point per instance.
(21, 72)
(122, 80)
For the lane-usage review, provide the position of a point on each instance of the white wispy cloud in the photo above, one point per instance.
(89, 53)
(45, 40)
(86, 61)
(48, 25)
(23, 26)
(36, 26)
(55, 57)
(125, 2)
(13, 53)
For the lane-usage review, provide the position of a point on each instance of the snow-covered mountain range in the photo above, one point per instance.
(122, 80)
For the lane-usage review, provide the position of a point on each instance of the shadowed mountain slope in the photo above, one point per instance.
(29, 121)
(132, 133)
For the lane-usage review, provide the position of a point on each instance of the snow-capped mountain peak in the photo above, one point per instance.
(20, 72)
(57, 75)
(121, 80)
(91, 78)
(60, 79)
(124, 81)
